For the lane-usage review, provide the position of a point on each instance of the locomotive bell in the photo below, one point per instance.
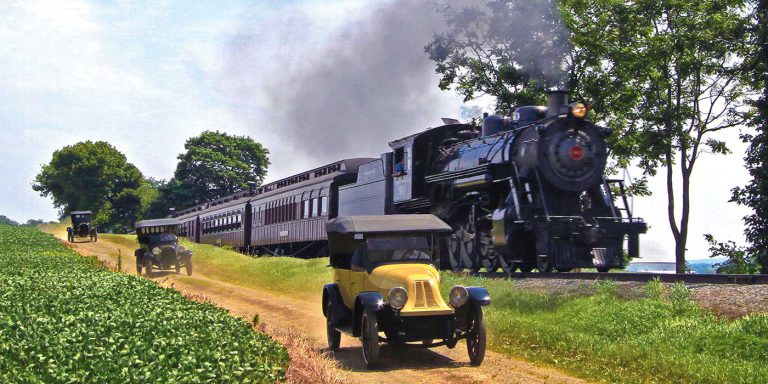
(557, 102)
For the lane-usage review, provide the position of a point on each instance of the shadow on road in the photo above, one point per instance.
(351, 358)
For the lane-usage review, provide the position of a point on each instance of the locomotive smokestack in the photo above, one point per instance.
(557, 102)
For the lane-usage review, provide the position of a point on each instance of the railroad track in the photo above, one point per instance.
(708, 278)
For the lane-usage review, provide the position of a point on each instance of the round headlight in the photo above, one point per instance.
(182, 249)
(155, 251)
(578, 110)
(397, 297)
(459, 296)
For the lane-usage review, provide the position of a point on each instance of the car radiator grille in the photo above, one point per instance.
(423, 295)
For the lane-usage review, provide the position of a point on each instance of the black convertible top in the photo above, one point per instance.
(157, 223)
(387, 224)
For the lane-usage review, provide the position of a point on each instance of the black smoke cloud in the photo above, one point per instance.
(369, 84)
(346, 94)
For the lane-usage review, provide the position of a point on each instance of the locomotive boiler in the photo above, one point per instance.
(526, 191)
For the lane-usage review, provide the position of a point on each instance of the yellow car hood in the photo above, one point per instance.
(421, 281)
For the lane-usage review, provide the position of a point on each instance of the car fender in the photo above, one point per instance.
(479, 296)
(365, 301)
(340, 311)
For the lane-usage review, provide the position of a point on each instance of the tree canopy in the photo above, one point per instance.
(215, 165)
(664, 74)
(94, 176)
(755, 193)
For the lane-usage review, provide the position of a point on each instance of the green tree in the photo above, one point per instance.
(7, 221)
(662, 73)
(93, 176)
(755, 193)
(170, 194)
(215, 165)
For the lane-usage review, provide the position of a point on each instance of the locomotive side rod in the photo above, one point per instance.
(704, 278)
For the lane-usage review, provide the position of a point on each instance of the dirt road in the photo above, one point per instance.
(410, 366)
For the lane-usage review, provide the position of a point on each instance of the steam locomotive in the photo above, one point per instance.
(524, 192)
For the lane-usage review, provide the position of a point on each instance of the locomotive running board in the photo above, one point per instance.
(459, 174)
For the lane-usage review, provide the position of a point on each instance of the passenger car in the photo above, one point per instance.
(385, 281)
(81, 226)
(159, 247)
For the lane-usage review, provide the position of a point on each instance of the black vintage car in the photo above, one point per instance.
(81, 226)
(159, 247)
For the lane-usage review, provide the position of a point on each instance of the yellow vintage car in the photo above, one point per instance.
(386, 288)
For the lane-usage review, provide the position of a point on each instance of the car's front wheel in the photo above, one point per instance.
(138, 267)
(370, 337)
(334, 336)
(476, 337)
(148, 267)
(189, 267)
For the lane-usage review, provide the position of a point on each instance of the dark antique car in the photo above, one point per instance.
(159, 247)
(385, 282)
(81, 226)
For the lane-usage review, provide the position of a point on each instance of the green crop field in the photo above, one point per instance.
(66, 319)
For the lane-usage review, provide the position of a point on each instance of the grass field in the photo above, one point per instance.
(65, 318)
(663, 337)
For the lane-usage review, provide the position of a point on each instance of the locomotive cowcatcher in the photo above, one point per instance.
(159, 247)
(526, 191)
(81, 226)
(385, 282)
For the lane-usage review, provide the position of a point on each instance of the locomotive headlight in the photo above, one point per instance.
(155, 251)
(578, 110)
(459, 296)
(397, 297)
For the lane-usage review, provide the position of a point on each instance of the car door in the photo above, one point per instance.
(341, 278)
(356, 283)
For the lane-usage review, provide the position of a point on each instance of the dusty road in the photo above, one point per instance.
(410, 366)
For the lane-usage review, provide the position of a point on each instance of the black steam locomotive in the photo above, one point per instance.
(524, 192)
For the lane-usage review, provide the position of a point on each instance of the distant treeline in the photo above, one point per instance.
(97, 177)
(5, 220)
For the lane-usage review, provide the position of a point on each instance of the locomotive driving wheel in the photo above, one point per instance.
(471, 247)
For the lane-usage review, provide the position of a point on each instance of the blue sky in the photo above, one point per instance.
(147, 75)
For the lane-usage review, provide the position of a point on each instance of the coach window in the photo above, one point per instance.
(324, 206)
(305, 205)
(318, 208)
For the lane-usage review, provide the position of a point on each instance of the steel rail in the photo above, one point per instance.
(692, 278)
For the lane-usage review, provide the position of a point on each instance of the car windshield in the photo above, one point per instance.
(402, 248)
(162, 238)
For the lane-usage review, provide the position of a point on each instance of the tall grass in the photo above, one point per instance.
(664, 337)
(284, 275)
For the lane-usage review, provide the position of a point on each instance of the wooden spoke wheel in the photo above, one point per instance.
(370, 336)
(333, 335)
(476, 337)
(148, 267)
